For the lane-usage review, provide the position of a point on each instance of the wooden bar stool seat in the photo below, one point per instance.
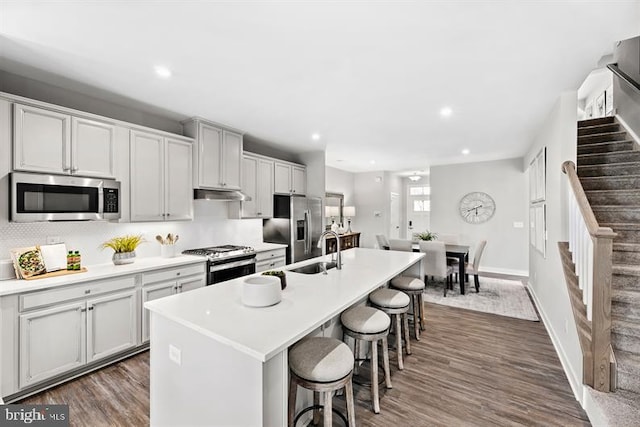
(414, 288)
(323, 365)
(396, 304)
(364, 323)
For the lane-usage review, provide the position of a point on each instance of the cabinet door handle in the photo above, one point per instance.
(87, 291)
(180, 287)
(82, 310)
(90, 308)
(178, 273)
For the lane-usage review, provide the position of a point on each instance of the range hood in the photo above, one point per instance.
(220, 195)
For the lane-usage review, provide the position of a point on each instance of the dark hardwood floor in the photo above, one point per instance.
(469, 369)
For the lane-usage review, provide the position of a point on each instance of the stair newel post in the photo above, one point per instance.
(601, 309)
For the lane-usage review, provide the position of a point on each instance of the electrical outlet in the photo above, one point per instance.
(175, 355)
(377, 214)
(518, 224)
(52, 240)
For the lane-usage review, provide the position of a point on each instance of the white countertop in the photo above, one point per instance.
(263, 246)
(99, 271)
(307, 302)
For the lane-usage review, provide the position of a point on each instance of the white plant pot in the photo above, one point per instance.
(261, 291)
(121, 258)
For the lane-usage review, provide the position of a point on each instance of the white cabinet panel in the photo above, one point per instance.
(299, 180)
(282, 178)
(231, 160)
(150, 293)
(111, 325)
(93, 146)
(178, 180)
(186, 285)
(265, 188)
(147, 177)
(249, 186)
(209, 161)
(52, 341)
(42, 140)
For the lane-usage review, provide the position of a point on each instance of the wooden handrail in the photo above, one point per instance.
(569, 168)
(624, 76)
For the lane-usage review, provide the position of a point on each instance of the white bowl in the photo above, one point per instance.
(261, 291)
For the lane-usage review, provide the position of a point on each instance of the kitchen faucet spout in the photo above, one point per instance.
(323, 236)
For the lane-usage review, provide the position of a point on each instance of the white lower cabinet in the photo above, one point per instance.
(59, 339)
(182, 280)
(269, 260)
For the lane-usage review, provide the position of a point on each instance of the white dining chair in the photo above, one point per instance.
(383, 243)
(474, 268)
(400, 245)
(435, 263)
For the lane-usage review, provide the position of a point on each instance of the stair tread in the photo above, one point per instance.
(629, 362)
(625, 296)
(615, 207)
(619, 141)
(606, 119)
(597, 178)
(622, 323)
(622, 191)
(620, 409)
(626, 247)
(618, 132)
(611, 164)
(626, 269)
(621, 225)
(588, 155)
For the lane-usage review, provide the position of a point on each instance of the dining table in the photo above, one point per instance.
(460, 252)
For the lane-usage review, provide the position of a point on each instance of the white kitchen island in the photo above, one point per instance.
(216, 362)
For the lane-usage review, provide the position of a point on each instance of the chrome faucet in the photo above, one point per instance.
(324, 248)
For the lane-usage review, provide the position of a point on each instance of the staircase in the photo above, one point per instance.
(609, 171)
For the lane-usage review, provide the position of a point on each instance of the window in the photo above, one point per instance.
(419, 196)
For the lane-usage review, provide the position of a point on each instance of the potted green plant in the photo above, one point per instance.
(427, 235)
(277, 273)
(124, 248)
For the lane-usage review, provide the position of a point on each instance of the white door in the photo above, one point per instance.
(52, 341)
(111, 325)
(93, 145)
(394, 217)
(147, 177)
(232, 160)
(149, 293)
(186, 285)
(178, 180)
(265, 188)
(209, 158)
(299, 178)
(249, 186)
(282, 178)
(42, 140)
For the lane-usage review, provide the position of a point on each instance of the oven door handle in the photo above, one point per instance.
(233, 264)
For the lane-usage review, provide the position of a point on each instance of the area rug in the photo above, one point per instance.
(498, 296)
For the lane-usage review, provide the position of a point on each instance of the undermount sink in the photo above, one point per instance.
(318, 267)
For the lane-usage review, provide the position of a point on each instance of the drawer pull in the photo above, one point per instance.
(87, 291)
(90, 308)
(178, 273)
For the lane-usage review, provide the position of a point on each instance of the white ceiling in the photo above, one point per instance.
(370, 77)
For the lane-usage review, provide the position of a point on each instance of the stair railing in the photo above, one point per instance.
(591, 247)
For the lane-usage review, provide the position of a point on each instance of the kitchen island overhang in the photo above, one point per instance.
(215, 361)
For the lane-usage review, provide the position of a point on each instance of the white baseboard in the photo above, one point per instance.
(575, 381)
(523, 273)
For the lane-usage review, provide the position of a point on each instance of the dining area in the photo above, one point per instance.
(446, 258)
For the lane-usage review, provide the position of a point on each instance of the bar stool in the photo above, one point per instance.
(395, 304)
(323, 365)
(414, 288)
(364, 323)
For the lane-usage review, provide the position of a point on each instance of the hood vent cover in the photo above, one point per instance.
(220, 195)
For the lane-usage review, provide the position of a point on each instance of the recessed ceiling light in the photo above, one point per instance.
(373, 162)
(163, 72)
(315, 136)
(446, 112)
(465, 151)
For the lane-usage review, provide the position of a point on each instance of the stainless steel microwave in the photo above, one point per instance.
(38, 197)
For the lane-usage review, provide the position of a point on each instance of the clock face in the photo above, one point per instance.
(477, 207)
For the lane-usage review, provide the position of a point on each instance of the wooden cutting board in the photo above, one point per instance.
(56, 274)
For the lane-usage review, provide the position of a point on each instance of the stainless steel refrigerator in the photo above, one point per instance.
(296, 222)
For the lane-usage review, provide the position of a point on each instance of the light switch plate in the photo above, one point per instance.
(53, 240)
(518, 224)
(175, 355)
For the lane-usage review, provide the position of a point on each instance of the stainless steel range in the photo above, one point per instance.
(226, 262)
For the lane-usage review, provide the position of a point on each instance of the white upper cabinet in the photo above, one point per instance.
(290, 178)
(161, 186)
(42, 140)
(92, 148)
(52, 142)
(217, 157)
(257, 182)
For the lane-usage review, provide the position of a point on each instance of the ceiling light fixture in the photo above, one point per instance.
(315, 136)
(465, 151)
(373, 162)
(415, 177)
(162, 72)
(446, 111)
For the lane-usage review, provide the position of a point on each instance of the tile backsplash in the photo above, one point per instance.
(211, 226)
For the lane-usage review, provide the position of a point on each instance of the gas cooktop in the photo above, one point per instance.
(220, 252)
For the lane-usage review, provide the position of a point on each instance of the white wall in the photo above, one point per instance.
(546, 279)
(316, 165)
(339, 181)
(506, 182)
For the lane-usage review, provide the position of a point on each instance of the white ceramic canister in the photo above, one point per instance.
(261, 291)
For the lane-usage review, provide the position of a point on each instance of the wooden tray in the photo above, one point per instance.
(56, 274)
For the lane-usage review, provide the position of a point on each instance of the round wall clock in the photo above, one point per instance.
(477, 207)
